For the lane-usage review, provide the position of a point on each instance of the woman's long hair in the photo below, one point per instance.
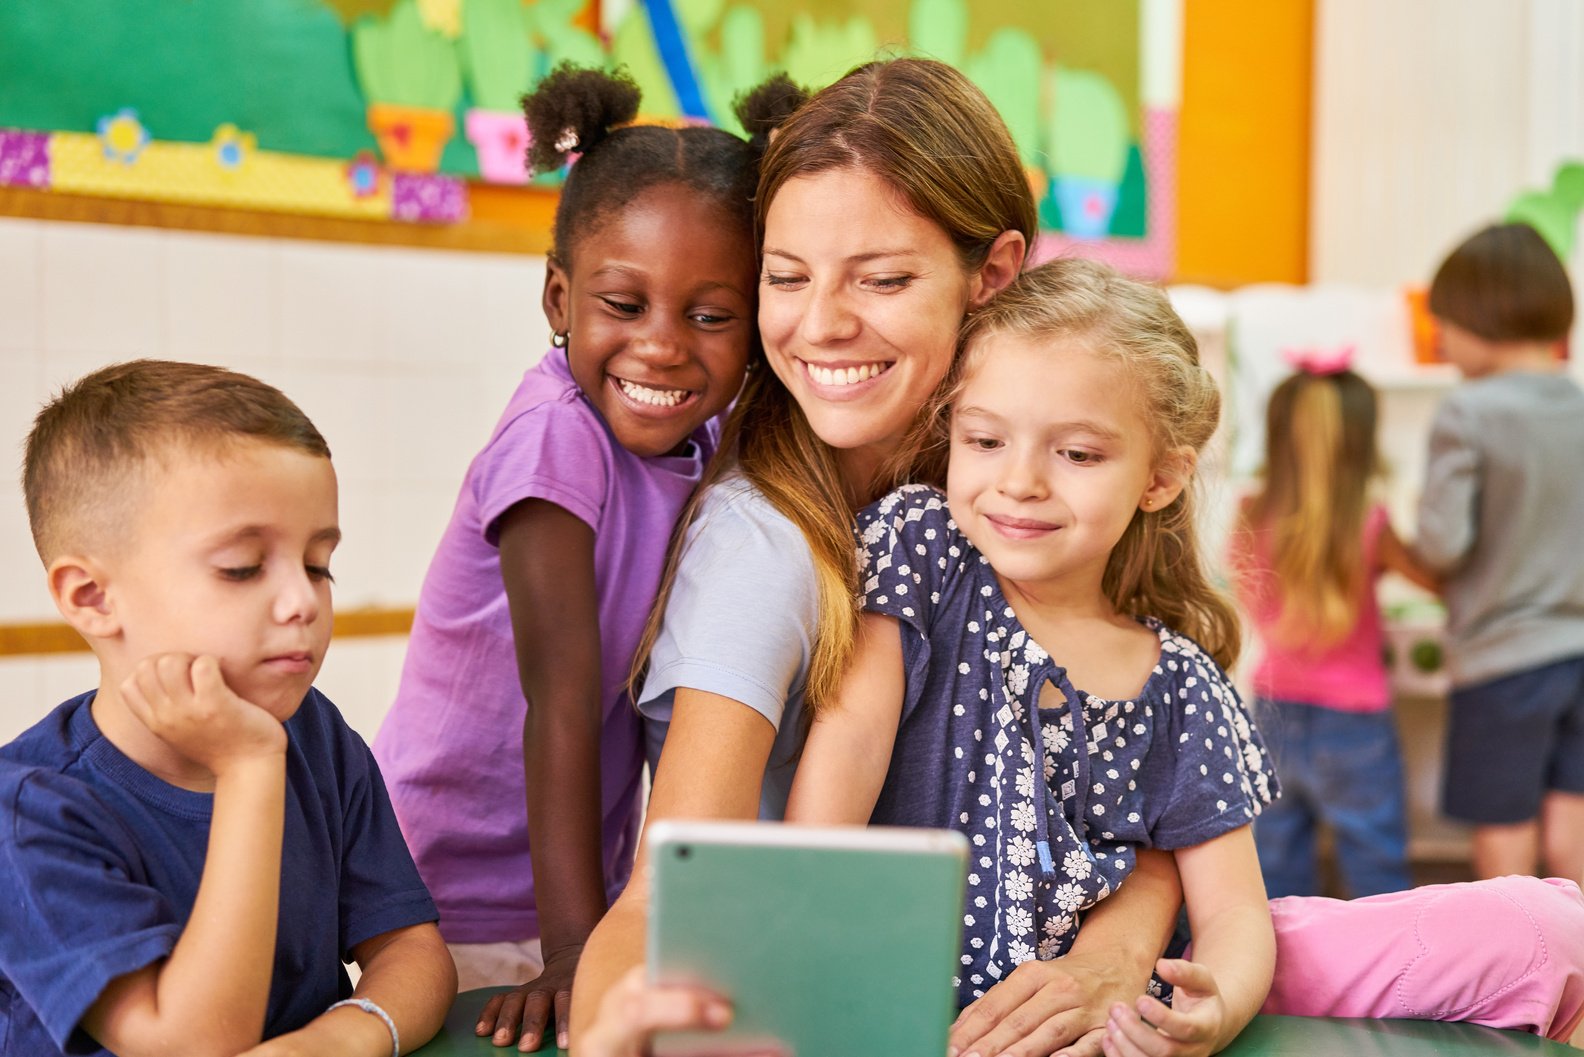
(926, 130)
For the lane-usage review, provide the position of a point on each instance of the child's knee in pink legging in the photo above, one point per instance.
(1508, 953)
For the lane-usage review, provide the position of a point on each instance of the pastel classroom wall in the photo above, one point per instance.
(402, 357)
(1429, 119)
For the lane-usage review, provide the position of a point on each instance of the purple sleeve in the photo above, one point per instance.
(557, 451)
(75, 914)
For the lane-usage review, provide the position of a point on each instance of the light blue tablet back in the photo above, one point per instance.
(828, 941)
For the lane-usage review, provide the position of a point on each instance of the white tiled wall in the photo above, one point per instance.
(402, 357)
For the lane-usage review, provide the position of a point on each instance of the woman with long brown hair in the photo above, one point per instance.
(890, 205)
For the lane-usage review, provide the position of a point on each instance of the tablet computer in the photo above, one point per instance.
(827, 940)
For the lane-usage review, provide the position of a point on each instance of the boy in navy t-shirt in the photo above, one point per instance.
(192, 850)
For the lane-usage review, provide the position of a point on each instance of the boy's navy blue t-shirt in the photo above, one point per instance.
(1177, 765)
(102, 860)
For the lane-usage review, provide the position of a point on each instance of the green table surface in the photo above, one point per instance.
(1265, 1037)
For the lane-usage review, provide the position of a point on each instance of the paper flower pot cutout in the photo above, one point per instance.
(1086, 205)
(410, 138)
(123, 136)
(501, 139)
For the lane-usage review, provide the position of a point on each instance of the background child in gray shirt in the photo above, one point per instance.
(1502, 521)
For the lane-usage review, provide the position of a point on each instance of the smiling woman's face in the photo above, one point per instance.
(860, 302)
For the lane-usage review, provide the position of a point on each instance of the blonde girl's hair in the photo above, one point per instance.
(931, 134)
(1156, 569)
(1319, 457)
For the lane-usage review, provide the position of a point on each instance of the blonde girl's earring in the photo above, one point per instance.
(558, 338)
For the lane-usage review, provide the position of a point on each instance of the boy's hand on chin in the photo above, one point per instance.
(184, 701)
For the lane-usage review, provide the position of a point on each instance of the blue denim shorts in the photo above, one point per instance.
(1513, 739)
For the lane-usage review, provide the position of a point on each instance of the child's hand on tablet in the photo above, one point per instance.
(1186, 1028)
(1044, 1007)
(632, 1012)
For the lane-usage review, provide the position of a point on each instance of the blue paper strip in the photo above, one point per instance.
(673, 52)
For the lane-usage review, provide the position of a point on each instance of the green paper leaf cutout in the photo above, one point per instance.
(1549, 216)
(1131, 219)
(1568, 186)
(1008, 70)
(739, 66)
(938, 29)
(1088, 127)
(633, 48)
(401, 61)
(818, 53)
(697, 16)
(497, 57)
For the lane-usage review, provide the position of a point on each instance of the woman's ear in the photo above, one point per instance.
(78, 586)
(557, 296)
(1171, 476)
(1001, 265)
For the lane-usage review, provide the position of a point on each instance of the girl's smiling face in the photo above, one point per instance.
(860, 303)
(658, 308)
(1050, 459)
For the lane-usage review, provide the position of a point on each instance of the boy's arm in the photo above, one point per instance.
(547, 564)
(848, 750)
(407, 972)
(1234, 955)
(210, 995)
(1448, 504)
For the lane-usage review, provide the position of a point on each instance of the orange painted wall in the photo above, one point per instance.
(1243, 142)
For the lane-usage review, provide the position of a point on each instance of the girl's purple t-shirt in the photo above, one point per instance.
(451, 746)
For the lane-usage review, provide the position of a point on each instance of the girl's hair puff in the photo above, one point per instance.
(1156, 568)
(1504, 283)
(588, 113)
(1320, 454)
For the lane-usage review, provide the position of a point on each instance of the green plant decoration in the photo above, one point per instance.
(737, 67)
(633, 50)
(1088, 128)
(496, 54)
(553, 23)
(697, 16)
(1131, 220)
(938, 29)
(1554, 213)
(1008, 70)
(818, 53)
(402, 62)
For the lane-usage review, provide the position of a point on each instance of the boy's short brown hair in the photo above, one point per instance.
(1504, 283)
(85, 453)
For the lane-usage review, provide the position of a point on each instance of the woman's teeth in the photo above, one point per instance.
(658, 397)
(845, 375)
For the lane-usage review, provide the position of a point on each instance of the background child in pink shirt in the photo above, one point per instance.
(1308, 551)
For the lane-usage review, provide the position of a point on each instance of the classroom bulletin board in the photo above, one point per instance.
(405, 111)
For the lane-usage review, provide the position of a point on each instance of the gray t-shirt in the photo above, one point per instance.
(740, 622)
(1502, 517)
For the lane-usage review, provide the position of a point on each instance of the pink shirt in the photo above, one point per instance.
(1349, 676)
